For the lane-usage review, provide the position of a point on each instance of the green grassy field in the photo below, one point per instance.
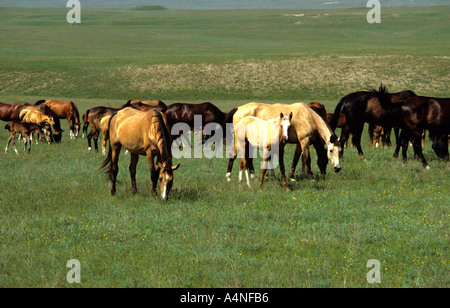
(55, 206)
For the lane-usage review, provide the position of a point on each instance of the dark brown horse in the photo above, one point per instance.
(143, 133)
(7, 112)
(65, 110)
(418, 114)
(364, 106)
(93, 117)
(185, 113)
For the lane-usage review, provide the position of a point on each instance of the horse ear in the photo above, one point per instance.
(281, 115)
(175, 167)
(290, 116)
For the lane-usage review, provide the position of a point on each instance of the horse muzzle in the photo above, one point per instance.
(337, 169)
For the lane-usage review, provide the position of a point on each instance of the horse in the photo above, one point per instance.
(185, 113)
(307, 128)
(37, 117)
(7, 112)
(361, 107)
(93, 116)
(262, 135)
(319, 108)
(143, 133)
(65, 110)
(25, 129)
(56, 135)
(140, 104)
(421, 113)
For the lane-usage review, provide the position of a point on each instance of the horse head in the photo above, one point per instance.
(166, 178)
(285, 123)
(333, 152)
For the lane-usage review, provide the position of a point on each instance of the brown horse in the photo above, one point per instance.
(143, 133)
(65, 110)
(7, 112)
(307, 128)
(418, 114)
(25, 129)
(141, 104)
(92, 117)
(319, 108)
(263, 135)
(364, 106)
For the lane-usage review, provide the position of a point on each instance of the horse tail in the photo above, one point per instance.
(336, 114)
(229, 116)
(40, 102)
(86, 122)
(8, 126)
(107, 164)
(75, 110)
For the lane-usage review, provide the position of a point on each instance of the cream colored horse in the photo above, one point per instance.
(141, 133)
(307, 128)
(266, 136)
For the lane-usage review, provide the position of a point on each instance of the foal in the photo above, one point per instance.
(252, 132)
(25, 129)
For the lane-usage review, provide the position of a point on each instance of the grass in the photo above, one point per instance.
(55, 206)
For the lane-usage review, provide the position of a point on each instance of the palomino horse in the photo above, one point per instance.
(418, 114)
(57, 131)
(361, 107)
(265, 136)
(307, 128)
(25, 129)
(65, 110)
(143, 133)
(37, 117)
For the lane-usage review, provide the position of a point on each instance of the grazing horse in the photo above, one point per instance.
(65, 110)
(57, 133)
(93, 117)
(7, 112)
(25, 129)
(185, 113)
(265, 136)
(143, 133)
(418, 114)
(307, 128)
(364, 106)
(37, 117)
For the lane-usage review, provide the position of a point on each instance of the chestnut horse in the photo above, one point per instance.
(143, 133)
(265, 136)
(364, 106)
(7, 112)
(65, 110)
(418, 114)
(307, 128)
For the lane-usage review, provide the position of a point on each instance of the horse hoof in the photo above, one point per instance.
(427, 168)
(292, 180)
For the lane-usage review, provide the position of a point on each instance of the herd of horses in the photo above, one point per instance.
(144, 128)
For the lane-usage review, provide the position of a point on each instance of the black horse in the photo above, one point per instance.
(364, 106)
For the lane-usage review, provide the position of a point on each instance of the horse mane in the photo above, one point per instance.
(40, 102)
(162, 137)
(384, 97)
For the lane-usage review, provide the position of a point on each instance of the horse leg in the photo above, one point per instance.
(241, 168)
(115, 152)
(132, 168)
(263, 173)
(231, 161)
(104, 138)
(405, 136)
(89, 138)
(282, 169)
(14, 143)
(417, 144)
(322, 156)
(298, 153)
(306, 158)
(154, 171)
(28, 140)
(96, 141)
(71, 132)
(345, 132)
(9, 140)
(356, 138)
